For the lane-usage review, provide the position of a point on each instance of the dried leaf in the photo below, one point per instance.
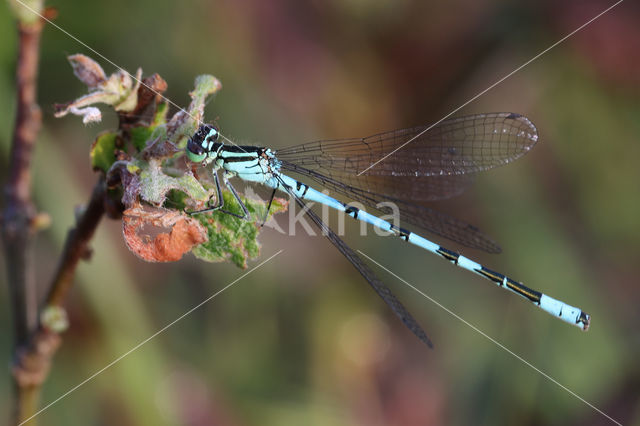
(87, 70)
(118, 90)
(143, 232)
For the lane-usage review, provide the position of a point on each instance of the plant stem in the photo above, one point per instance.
(32, 361)
(19, 213)
(17, 218)
(76, 246)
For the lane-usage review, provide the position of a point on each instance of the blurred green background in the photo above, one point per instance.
(303, 340)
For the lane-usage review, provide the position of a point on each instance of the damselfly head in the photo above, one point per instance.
(203, 144)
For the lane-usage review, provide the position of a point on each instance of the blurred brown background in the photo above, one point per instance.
(303, 340)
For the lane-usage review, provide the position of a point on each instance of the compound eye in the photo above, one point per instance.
(195, 152)
(194, 147)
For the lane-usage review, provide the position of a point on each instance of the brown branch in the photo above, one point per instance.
(77, 246)
(32, 361)
(37, 335)
(19, 213)
(35, 344)
(37, 339)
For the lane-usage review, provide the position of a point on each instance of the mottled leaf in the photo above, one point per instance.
(155, 184)
(232, 238)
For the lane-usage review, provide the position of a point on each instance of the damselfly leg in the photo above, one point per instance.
(266, 213)
(220, 199)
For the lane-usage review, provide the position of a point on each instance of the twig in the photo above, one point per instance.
(32, 361)
(77, 246)
(19, 213)
(35, 344)
(18, 216)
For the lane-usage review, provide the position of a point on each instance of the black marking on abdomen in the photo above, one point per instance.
(516, 287)
(494, 276)
(401, 232)
(524, 291)
(451, 256)
(302, 185)
(352, 211)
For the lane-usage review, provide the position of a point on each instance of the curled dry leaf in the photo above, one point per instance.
(87, 70)
(118, 90)
(151, 89)
(145, 232)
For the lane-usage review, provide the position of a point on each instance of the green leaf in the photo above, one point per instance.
(176, 199)
(103, 151)
(205, 85)
(232, 238)
(139, 137)
(160, 117)
(155, 184)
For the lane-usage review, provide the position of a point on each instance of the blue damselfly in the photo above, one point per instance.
(438, 163)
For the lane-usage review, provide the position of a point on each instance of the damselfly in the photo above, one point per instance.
(438, 162)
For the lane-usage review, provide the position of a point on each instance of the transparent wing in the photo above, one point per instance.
(432, 220)
(378, 286)
(431, 163)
